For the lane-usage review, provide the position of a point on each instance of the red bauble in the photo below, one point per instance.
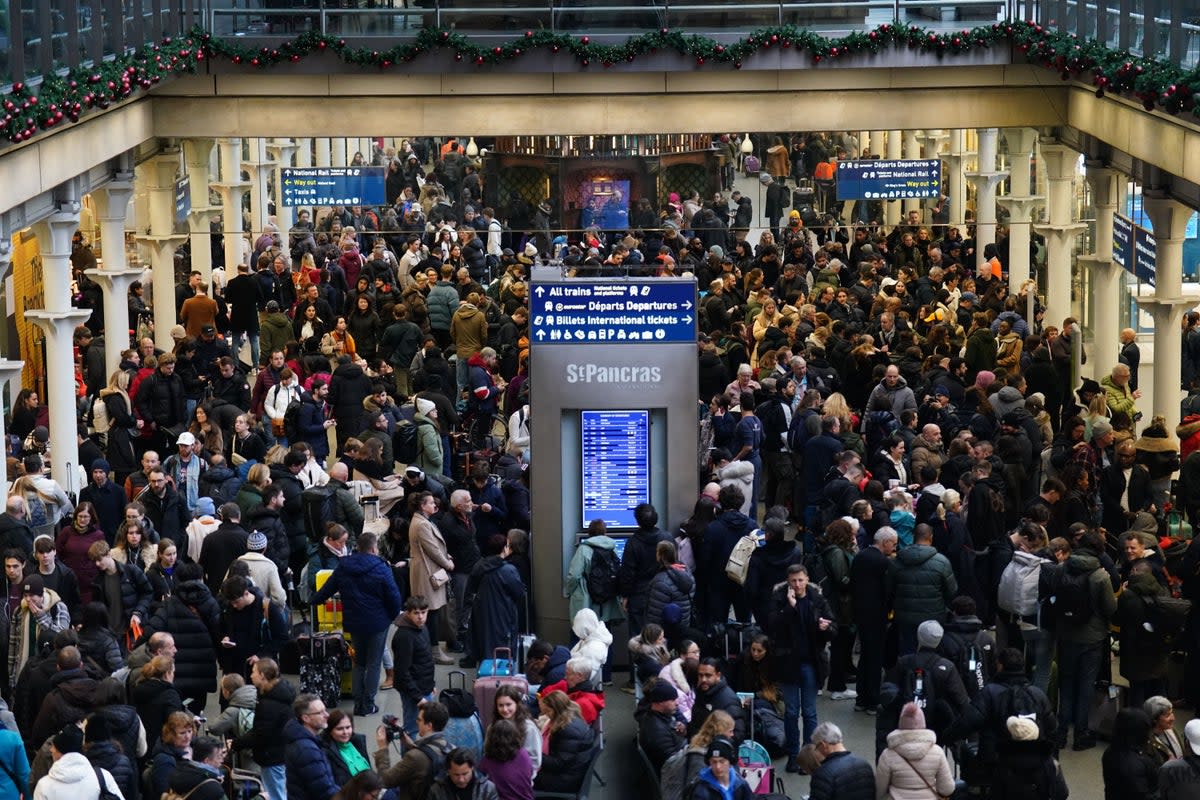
(586, 40)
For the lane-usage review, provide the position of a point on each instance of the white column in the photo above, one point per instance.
(159, 174)
(911, 152)
(324, 152)
(1169, 218)
(114, 275)
(1060, 230)
(280, 152)
(232, 189)
(956, 183)
(197, 156)
(986, 178)
(304, 153)
(9, 370)
(1020, 204)
(339, 152)
(260, 169)
(1107, 189)
(864, 144)
(58, 321)
(891, 208)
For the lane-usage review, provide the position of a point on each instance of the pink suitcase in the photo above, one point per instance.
(486, 687)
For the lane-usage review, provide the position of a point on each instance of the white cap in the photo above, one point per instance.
(185, 438)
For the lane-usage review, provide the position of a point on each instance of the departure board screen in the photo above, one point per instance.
(616, 465)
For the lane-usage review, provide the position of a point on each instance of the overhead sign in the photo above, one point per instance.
(334, 186)
(615, 466)
(183, 199)
(1134, 248)
(1122, 245)
(889, 180)
(578, 312)
(1144, 255)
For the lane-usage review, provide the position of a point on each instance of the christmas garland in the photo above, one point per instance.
(64, 99)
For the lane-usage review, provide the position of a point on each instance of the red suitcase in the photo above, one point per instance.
(486, 687)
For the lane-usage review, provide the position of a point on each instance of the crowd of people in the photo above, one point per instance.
(906, 501)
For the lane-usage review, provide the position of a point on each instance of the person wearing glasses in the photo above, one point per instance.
(309, 776)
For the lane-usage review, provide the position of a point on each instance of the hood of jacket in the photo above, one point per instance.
(679, 575)
(477, 361)
(1145, 522)
(276, 320)
(490, 564)
(349, 371)
(588, 626)
(969, 625)
(73, 769)
(75, 686)
(778, 553)
(600, 542)
(735, 470)
(244, 696)
(912, 744)
(219, 473)
(466, 310)
(192, 593)
(360, 565)
(915, 554)
(1082, 562)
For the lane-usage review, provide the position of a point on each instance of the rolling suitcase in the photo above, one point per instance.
(336, 643)
(464, 729)
(754, 762)
(499, 673)
(804, 194)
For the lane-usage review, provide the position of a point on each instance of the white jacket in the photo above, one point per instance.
(265, 575)
(73, 778)
(911, 764)
(594, 639)
(278, 397)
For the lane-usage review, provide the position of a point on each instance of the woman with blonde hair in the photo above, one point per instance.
(249, 496)
(768, 317)
(716, 725)
(567, 744)
(120, 426)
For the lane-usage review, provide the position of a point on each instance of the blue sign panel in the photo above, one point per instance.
(183, 199)
(616, 465)
(585, 312)
(889, 180)
(1144, 255)
(334, 186)
(1122, 244)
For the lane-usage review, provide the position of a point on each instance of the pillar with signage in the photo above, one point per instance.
(615, 377)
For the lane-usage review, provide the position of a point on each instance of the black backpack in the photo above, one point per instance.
(1072, 597)
(105, 792)
(319, 505)
(602, 575)
(1020, 701)
(406, 442)
(291, 421)
(437, 769)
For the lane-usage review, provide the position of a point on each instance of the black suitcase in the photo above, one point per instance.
(804, 194)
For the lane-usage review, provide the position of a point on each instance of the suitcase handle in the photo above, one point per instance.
(512, 667)
(462, 677)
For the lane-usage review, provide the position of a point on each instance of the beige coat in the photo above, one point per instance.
(428, 553)
(897, 780)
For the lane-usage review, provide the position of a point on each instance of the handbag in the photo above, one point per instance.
(439, 578)
(924, 780)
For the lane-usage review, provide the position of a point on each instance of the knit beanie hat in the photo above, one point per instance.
(912, 718)
(425, 406)
(929, 634)
(1022, 729)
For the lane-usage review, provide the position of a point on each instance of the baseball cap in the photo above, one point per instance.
(186, 438)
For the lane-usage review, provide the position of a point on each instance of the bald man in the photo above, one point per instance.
(349, 512)
(1130, 355)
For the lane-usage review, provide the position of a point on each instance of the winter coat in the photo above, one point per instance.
(255, 631)
(154, 700)
(925, 585)
(796, 634)
(365, 328)
(196, 782)
(768, 568)
(269, 522)
(570, 752)
(1180, 779)
(271, 715)
(69, 700)
(638, 567)
(499, 593)
(1129, 774)
(135, 592)
(469, 329)
(657, 735)
(330, 749)
(843, 776)
(72, 777)
(980, 352)
(1093, 630)
(594, 638)
(244, 698)
(309, 776)
(673, 584)
(719, 697)
(577, 573)
(911, 764)
(192, 616)
(264, 574)
(161, 400)
(741, 475)
(368, 590)
(895, 399)
(988, 713)
(720, 537)
(412, 655)
(100, 645)
(442, 301)
(275, 330)
(1143, 653)
(120, 766)
(428, 553)
(72, 549)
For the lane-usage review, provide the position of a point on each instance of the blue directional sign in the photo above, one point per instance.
(334, 186)
(1122, 245)
(583, 312)
(1134, 248)
(889, 180)
(183, 199)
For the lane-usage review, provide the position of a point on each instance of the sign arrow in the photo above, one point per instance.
(687, 304)
(688, 319)
(541, 334)
(540, 291)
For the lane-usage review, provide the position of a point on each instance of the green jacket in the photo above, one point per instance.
(981, 351)
(1120, 398)
(925, 584)
(274, 332)
(577, 573)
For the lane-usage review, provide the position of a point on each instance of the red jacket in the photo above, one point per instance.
(590, 703)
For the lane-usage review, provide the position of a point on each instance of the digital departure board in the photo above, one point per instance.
(616, 465)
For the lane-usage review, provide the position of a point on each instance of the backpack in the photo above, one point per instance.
(673, 771)
(1072, 598)
(798, 433)
(1168, 615)
(769, 729)
(38, 515)
(100, 420)
(1018, 592)
(319, 505)
(406, 443)
(437, 768)
(291, 421)
(602, 575)
(737, 568)
(1019, 701)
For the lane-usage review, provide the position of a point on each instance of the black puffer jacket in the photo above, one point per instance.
(844, 776)
(638, 566)
(719, 697)
(154, 700)
(672, 584)
(107, 756)
(136, 593)
(564, 766)
(265, 738)
(124, 723)
(413, 656)
(162, 400)
(192, 616)
(292, 513)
